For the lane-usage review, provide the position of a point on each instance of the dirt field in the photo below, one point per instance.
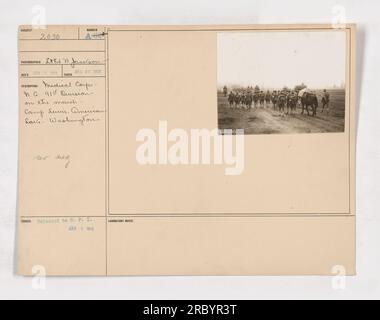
(265, 120)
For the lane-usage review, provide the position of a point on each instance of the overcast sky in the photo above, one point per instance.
(275, 59)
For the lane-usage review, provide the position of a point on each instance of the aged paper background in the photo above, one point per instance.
(87, 208)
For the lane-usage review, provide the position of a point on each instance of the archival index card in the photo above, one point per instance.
(186, 150)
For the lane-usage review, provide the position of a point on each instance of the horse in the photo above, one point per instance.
(238, 100)
(309, 99)
(248, 101)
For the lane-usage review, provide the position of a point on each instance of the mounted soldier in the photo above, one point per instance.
(248, 100)
(237, 99)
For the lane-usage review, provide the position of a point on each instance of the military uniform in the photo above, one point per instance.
(326, 101)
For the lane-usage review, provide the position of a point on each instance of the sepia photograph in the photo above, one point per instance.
(282, 81)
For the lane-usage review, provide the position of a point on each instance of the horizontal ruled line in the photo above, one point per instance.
(62, 64)
(61, 39)
(62, 51)
(67, 77)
